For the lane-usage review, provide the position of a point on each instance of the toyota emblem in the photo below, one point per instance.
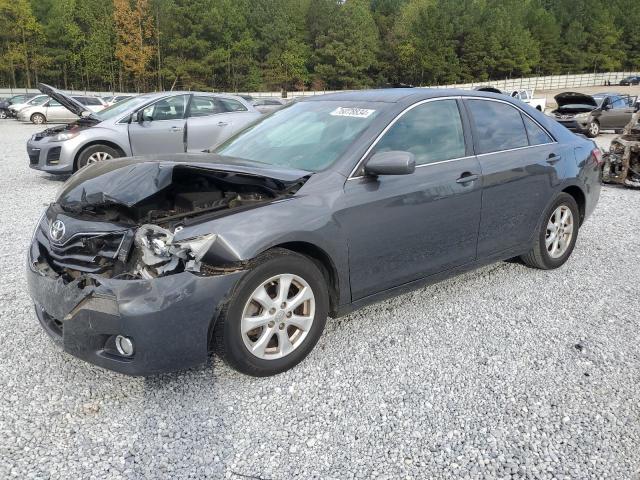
(56, 231)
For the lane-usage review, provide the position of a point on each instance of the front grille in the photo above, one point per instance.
(53, 155)
(88, 253)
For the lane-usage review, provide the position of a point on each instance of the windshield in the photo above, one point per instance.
(306, 135)
(119, 108)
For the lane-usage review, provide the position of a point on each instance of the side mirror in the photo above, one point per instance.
(140, 116)
(395, 162)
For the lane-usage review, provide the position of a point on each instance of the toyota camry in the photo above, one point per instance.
(148, 264)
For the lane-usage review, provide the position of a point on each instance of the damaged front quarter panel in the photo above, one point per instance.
(158, 199)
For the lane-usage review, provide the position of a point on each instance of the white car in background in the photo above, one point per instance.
(527, 97)
(52, 111)
(33, 102)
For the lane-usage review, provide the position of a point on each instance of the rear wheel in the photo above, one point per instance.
(557, 236)
(38, 118)
(275, 315)
(3, 113)
(95, 154)
(594, 129)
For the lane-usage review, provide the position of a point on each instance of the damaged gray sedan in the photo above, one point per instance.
(147, 264)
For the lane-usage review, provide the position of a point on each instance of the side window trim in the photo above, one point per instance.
(522, 112)
(356, 171)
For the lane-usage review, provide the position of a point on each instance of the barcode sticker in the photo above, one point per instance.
(352, 112)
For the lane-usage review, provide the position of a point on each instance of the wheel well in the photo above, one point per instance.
(91, 144)
(324, 262)
(38, 113)
(580, 199)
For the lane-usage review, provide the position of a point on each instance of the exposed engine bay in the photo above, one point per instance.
(622, 162)
(123, 222)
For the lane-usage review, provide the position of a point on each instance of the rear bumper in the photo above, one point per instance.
(169, 319)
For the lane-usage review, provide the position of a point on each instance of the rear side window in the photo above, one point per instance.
(203, 106)
(498, 126)
(431, 131)
(231, 105)
(537, 136)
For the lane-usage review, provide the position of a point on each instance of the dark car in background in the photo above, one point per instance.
(6, 103)
(589, 114)
(630, 80)
(144, 265)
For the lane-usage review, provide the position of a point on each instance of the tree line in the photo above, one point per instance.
(252, 45)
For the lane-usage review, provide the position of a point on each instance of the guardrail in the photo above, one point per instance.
(548, 82)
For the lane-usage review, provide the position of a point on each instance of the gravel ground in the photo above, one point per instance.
(502, 372)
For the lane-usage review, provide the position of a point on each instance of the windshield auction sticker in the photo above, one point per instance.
(352, 112)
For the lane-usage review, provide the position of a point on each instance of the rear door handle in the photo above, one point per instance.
(553, 158)
(468, 177)
(175, 129)
(223, 124)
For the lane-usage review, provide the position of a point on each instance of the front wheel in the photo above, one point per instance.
(557, 236)
(593, 130)
(95, 154)
(3, 113)
(275, 315)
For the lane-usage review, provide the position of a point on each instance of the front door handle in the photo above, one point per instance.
(222, 124)
(468, 177)
(553, 158)
(175, 129)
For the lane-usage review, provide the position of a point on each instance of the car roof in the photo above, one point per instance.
(396, 95)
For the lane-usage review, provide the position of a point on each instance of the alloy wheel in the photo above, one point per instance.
(594, 129)
(278, 316)
(559, 231)
(98, 157)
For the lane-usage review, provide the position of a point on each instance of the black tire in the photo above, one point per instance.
(3, 113)
(593, 129)
(538, 256)
(229, 344)
(99, 149)
(38, 119)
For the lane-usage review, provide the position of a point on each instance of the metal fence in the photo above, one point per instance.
(549, 82)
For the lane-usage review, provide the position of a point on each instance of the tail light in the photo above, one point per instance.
(596, 153)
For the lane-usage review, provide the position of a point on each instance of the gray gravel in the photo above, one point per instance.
(502, 372)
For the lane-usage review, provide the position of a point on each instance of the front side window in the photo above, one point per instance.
(619, 103)
(306, 135)
(170, 108)
(431, 131)
(498, 126)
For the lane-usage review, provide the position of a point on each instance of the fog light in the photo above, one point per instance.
(124, 345)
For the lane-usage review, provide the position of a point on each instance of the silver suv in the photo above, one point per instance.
(166, 122)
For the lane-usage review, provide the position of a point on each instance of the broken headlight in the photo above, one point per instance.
(159, 254)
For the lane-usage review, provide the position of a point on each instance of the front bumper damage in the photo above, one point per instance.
(169, 318)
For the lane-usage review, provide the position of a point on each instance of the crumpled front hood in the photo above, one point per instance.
(67, 102)
(130, 181)
(575, 98)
